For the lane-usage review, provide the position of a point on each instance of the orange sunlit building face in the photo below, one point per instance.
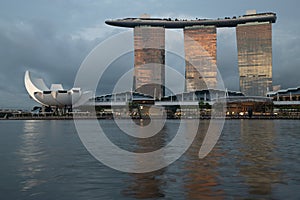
(149, 60)
(254, 42)
(201, 57)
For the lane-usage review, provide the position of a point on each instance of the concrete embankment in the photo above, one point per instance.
(293, 117)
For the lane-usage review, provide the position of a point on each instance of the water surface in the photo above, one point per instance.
(253, 159)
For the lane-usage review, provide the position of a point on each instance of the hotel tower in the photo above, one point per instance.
(254, 44)
(201, 58)
(149, 60)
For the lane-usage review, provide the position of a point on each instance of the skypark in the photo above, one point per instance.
(254, 47)
(182, 23)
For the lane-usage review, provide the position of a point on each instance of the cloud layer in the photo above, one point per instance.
(52, 38)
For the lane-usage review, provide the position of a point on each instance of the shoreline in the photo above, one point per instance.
(258, 117)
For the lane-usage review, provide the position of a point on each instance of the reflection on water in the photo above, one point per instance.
(147, 185)
(32, 154)
(200, 178)
(253, 159)
(249, 151)
(142, 186)
(259, 162)
(194, 178)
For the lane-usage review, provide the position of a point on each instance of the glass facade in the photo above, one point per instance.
(201, 57)
(149, 60)
(254, 43)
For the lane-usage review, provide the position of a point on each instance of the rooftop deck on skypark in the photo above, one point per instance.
(182, 23)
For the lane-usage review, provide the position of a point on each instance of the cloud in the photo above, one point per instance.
(36, 46)
(227, 57)
(286, 59)
(52, 38)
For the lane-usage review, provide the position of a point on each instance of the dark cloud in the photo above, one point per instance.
(227, 58)
(51, 38)
(286, 59)
(28, 45)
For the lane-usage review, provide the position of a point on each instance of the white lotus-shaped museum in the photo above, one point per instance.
(56, 95)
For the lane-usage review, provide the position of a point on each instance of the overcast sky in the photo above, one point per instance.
(52, 37)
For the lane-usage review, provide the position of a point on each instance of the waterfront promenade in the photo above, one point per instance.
(109, 117)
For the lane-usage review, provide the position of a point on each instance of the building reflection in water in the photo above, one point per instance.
(259, 161)
(32, 154)
(147, 185)
(200, 178)
(189, 178)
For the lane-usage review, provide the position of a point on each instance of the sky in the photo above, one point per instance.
(51, 38)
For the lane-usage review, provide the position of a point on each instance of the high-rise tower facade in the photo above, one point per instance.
(201, 57)
(254, 43)
(149, 60)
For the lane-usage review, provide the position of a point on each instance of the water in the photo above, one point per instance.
(253, 159)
